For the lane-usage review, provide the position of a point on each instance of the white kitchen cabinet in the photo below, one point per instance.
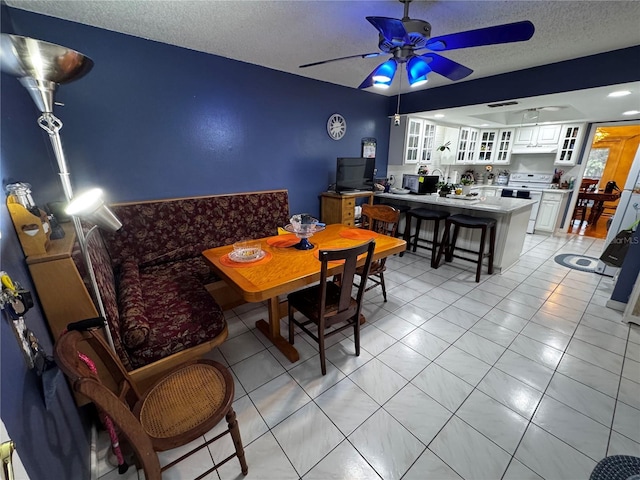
(569, 144)
(491, 146)
(467, 145)
(549, 211)
(411, 142)
(537, 136)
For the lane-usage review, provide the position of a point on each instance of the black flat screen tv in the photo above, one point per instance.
(354, 174)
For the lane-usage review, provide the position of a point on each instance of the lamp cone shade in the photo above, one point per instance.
(41, 66)
(90, 206)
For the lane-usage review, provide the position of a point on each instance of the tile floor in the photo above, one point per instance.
(526, 375)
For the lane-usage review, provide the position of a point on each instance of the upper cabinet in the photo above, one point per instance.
(542, 135)
(411, 142)
(568, 147)
(484, 146)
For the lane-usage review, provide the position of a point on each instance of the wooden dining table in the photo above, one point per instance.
(598, 199)
(284, 269)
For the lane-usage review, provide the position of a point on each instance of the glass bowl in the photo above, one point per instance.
(246, 250)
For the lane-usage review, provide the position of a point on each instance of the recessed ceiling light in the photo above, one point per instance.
(619, 93)
(631, 112)
(438, 115)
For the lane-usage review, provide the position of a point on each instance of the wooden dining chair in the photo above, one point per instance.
(582, 205)
(381, 219)
(179, 408)
(330, 303)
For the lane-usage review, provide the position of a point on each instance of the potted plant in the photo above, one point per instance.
(444, 188)
(466, 183)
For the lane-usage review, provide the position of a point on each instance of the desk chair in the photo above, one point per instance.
(179, 408)
(329, 303)
(381, 219)
(587, 184)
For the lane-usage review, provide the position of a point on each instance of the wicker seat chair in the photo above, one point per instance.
(330, 303)
(381, 219)
(179, 408)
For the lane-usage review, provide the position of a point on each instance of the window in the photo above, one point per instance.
(596, 162)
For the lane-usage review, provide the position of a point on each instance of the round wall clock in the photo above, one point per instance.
(336, 126)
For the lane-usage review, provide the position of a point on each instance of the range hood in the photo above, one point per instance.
(534, 149)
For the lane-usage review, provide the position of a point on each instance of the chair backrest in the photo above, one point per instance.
(382, 219)
(115, 379)
(116, 404)
(346, 307)
(588, 184)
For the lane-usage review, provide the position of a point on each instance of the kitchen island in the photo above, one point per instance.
(511, 214)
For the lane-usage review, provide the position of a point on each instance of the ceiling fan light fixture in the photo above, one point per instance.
(385, 72)
(381, 85)
(619, 93)
(417, 71)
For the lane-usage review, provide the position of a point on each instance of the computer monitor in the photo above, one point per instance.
(353, 174)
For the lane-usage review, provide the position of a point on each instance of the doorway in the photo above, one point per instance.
(608, 159)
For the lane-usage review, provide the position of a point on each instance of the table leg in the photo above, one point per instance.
(271, 330)
(598, 208)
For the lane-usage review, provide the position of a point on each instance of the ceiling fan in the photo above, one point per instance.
(403, 39)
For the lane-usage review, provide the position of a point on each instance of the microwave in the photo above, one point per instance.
(420, 184)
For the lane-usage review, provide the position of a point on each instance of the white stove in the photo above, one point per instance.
(529, 185)
(530, 181)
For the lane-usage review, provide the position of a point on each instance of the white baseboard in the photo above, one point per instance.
(616, 305)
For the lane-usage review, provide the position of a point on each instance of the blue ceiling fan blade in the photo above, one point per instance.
(510, 32)
(391, 29)
(445, 67)
(360, 55)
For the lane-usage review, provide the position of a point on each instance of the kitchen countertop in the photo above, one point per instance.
(550, 190)
(488, 204)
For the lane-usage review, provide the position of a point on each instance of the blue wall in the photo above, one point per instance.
(156, 121)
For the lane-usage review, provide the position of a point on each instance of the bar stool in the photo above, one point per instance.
(466, 221)
(424, 214)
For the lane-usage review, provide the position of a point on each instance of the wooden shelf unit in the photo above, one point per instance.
(340, 207)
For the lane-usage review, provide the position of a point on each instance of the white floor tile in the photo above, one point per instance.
(278, 399)
(347, 405)
(241, 347)
(589, 374)
(595, 355)
(494, 332)
(463, 365)
(386, 445)
(550, 457)
(621, 445)
(412, 314)
(558, 324)
(343, 355)
(378, 381)
(395, 326)
(570, 426)
(582, 398)
(631, 370)
(480, 347)
(506, 320)
(443, 329)
(430, 466)
(460, 317)
(306, 437)
(629, 393)
(310, 378)
(447, 389)
(517, 471)
(425, 343)
(257, 370)
(627, 421)
(603, 340)
(410, 406)
(536, 351)
(500, 424)
(404, 360)
(469, 453)
(545, 335)
(509, 391)
(344, 460)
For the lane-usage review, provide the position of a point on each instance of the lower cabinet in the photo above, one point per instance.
(337, 208)
(549, 211)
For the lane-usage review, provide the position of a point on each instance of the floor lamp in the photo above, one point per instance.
(40, 67)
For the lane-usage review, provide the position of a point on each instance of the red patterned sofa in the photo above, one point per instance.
(154, 281)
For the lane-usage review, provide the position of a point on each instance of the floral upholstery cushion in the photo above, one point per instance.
(134, 325)
(157, 232)
(180, 313)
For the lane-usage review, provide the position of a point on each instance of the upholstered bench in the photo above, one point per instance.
(154, 283)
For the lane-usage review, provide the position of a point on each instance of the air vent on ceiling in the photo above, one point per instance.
(503, 104)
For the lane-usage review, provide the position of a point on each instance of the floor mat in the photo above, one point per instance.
(577, 262)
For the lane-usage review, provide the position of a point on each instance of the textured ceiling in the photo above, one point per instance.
(285, 34)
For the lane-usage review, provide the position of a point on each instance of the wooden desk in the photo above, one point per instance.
(598, 199)
(288, 269)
